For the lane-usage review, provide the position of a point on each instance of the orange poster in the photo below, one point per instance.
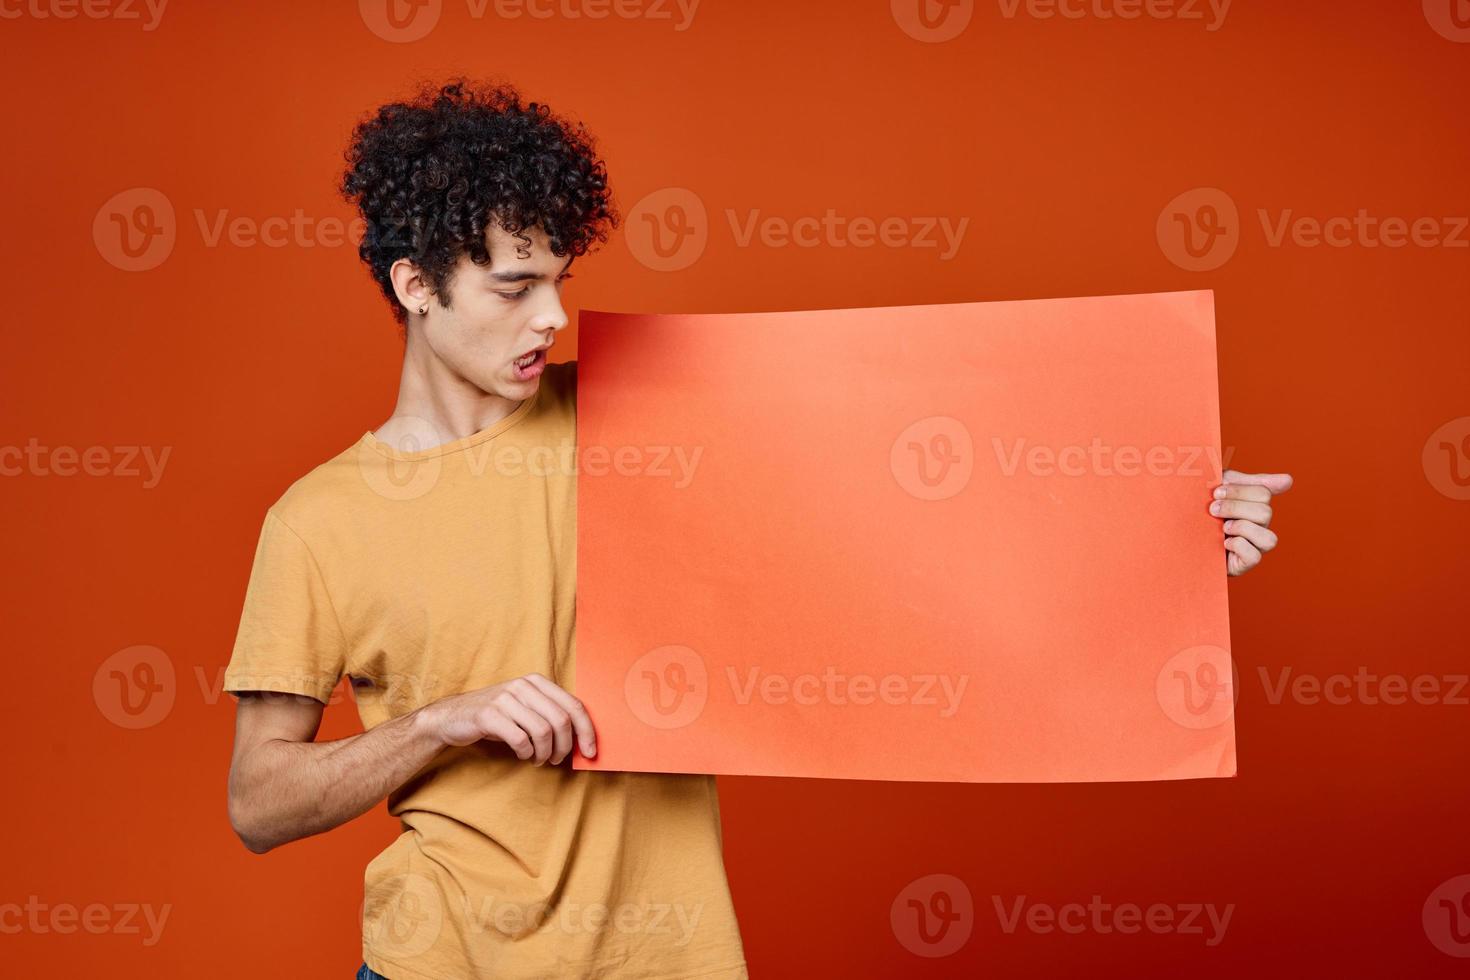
(965, 542)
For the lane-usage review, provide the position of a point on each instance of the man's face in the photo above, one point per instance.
(501, 312)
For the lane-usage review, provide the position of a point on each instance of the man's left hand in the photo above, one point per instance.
(1243, 501)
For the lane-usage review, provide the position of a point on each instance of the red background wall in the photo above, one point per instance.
(1061, 139)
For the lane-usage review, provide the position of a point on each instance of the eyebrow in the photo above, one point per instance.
(522, 276)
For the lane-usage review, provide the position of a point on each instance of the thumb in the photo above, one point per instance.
(1275, 482)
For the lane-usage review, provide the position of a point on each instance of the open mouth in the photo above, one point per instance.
(530, 365)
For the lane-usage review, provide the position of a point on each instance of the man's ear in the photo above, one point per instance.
(410, 288)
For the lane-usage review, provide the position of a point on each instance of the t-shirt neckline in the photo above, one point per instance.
(473, 439)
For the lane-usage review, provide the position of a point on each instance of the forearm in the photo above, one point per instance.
(284, 790)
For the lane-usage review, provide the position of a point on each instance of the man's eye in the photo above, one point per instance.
(523, 292)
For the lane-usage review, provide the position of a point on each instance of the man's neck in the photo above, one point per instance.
(429, 390)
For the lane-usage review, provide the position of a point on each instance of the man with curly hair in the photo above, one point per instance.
(433, 563)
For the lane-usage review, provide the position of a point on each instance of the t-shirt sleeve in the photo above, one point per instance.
(289, 639)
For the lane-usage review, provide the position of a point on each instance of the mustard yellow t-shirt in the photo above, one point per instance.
(426, 574)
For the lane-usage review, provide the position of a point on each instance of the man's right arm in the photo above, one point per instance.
(284, 785)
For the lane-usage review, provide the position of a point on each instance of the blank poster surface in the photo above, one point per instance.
(963, 542)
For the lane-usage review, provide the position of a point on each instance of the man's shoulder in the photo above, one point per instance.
(326, 489)
(360, 473)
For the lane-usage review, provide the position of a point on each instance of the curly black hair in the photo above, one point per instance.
(431, 174)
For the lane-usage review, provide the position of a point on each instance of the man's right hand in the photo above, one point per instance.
(535, 718)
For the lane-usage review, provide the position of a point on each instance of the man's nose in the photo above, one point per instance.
(551, 316)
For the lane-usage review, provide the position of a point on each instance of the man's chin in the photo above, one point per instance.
(512, 388)
(527, 386)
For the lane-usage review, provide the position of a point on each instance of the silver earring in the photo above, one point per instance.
(423, 310)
